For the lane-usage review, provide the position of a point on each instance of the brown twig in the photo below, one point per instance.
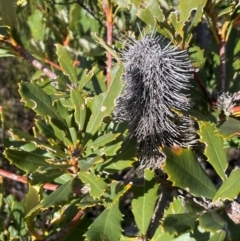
(13, 176)
(220, 36)
(203, 88)
(54, 65)
(24, 54)
(165, 197)
(66, 40)
(222, 54)
(66, 230)
(108, 12)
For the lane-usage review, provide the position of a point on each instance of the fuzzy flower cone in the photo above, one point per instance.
(156, 73)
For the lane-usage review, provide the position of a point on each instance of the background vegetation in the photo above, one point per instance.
(61, 60)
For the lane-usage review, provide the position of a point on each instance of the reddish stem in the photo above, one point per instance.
(13, 176)
(203, 88)
(66, 230)
(221, 41)
(66, 40)
(108, 12)
(54, 65)
(22, 179)
(222, 54)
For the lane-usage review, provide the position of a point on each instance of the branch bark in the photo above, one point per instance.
(108, 12)
(27, 56)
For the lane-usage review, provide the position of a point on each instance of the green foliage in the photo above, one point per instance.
(144, 202)
(184, 171)
(77, 161)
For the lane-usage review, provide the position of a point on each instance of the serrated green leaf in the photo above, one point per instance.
(187, 6)
(87, 202)
(198, 14)
(123, 159)
(175, 207)
(18, 213)
(116, 192)
(120, 165)
(46, 176)
(8, 12)
(45, 129)
(36, 25)
(63, 113)
(185, 171)
(85, 164)
(85, 78)
(97, 184)
(34, 142)
(110, 150)
(26, 161)
(144, 201)
(178, 25)
(219, 236)
(230, 188)
(122, 3)
(31, 199)
(74, 16)
(21, 135)
(160, 235)
(67, 103)
(214, 152)
(66, 63)
(61, 131)
(211, 221)
(107, 47)
(150, 11)
(35, 98)
(230, 128)
(73, 134)
(80, 108)
(197, 58)
(107, 226)
(103, 140)
(60, 197)
(166, 29)
(179, 223)
(103, 104)
(63, 178)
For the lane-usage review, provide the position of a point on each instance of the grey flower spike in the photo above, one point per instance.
(155, 75)
(226, 101)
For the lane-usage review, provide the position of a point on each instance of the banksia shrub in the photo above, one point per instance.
(156, 73)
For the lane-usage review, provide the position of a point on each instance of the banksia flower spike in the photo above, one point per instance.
(228, 103)
(155, 75)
